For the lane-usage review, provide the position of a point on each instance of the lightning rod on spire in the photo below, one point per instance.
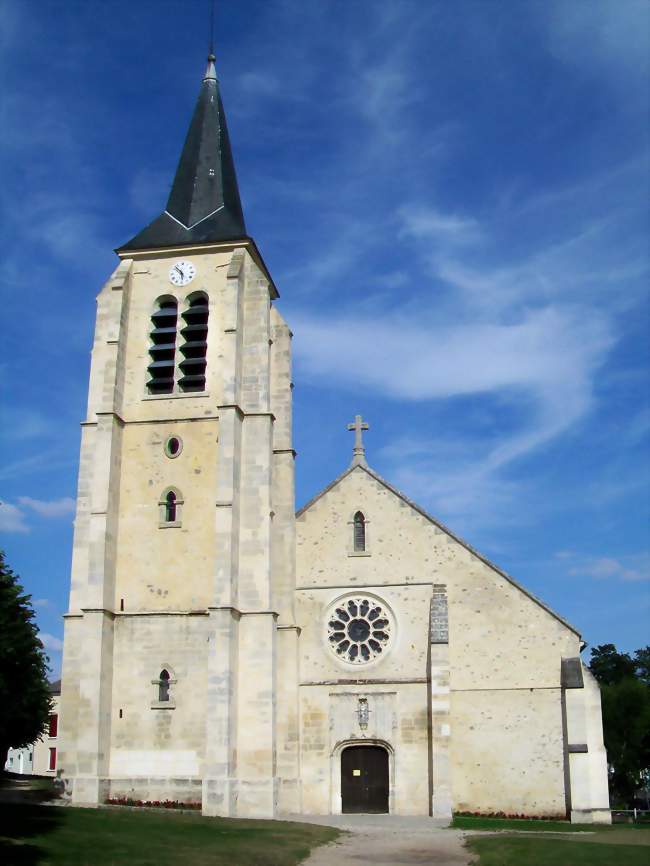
(211, 45)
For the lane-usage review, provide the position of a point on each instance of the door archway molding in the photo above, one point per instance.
(336, 804)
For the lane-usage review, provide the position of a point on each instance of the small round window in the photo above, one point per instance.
(359, 629)
(173, 446)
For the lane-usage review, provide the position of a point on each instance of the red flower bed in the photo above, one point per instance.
(512, 815)
(153, 804)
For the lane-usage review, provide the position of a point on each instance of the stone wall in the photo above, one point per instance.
(151, 738)
(397, 721)
(507, 751)
(500, 745)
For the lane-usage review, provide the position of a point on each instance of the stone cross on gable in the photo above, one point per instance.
(358, 452)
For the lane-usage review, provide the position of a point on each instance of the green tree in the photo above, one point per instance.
(625, 692)
(642, 662)
(24, 689)
(610, 666)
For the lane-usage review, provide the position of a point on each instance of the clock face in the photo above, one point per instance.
(182, 273)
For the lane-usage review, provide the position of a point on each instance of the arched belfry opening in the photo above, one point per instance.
(364, 779)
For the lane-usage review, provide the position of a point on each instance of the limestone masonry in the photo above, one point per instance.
(220, 648)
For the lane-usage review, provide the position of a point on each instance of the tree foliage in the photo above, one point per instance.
(642, 661)
(609, 666)
(625, 691)
(24, 689)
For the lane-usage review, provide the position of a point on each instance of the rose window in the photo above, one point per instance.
(358, 630)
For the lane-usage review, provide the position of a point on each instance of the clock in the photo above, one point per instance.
(182, 273)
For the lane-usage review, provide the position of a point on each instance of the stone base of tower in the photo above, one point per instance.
(591, 816)
(289, 797)
(224, 798)
(219, 798)
(240, 798)
(89, 791)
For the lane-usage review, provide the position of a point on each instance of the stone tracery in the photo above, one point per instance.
(359, 629)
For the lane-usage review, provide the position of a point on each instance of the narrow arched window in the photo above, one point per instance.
(359, 532)
(195, 344)
(162, 349)
(163, 686)
(170, 507)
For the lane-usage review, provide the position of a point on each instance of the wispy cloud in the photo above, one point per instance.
(42, 603)
(412, 361)
(53, 508)
(638, 427)
(609, 568)
(384, 89)
(22, 423)
(601, 37)
(51, 642)
(521, 363)
(259, 83)
(44, 461)
(507, 328)
(12, 519)
(427, 223)
(147, 191)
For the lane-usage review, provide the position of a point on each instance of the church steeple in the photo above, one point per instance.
(204, 204)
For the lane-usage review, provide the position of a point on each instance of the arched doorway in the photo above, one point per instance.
(364, 779)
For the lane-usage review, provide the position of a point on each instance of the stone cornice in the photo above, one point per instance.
(245, 244)
(240, 613)
(243, 414)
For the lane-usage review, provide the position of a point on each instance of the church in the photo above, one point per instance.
(220, 648)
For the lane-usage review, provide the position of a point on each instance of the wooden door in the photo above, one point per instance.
(364, 779)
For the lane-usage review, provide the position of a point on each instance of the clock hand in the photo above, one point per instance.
(176, 267)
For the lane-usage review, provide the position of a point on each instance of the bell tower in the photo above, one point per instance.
(180, 655)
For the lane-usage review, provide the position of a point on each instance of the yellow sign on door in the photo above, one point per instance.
(356, 772)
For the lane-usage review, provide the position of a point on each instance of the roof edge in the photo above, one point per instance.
(444, 528)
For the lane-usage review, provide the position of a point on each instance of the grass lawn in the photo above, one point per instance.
(605, 845)
(538, 851)
(466, 823)
(64, 836)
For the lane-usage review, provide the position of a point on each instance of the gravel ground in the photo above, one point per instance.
(388, 840)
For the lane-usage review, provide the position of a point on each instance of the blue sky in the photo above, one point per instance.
(452, 198)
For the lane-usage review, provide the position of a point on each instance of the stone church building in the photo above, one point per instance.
(219, 648)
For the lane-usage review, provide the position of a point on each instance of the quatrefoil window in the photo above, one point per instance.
(358, 629)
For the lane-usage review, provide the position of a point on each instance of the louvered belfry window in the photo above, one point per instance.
(163, 348)
(195, 345)
(359, 532)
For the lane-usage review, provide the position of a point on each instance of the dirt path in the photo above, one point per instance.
(15, 790)
(26, 789)
(389, 841)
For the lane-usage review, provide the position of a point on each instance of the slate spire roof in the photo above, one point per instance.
(204, 204)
